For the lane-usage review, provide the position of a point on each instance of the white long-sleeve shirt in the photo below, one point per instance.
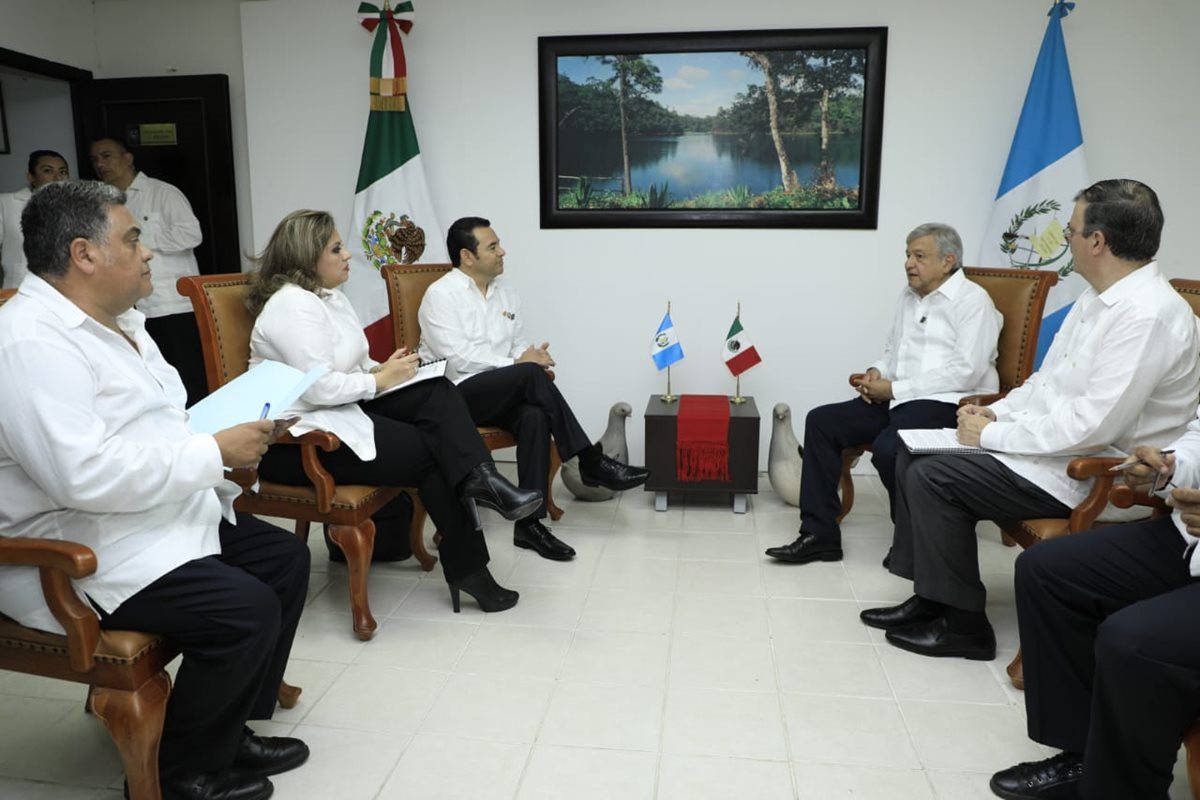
(472, 332)
(171, 230)
(942, 346)
(1122, 371)
(95, 448)
(306, 330)
(12, 251)
(1187, 474)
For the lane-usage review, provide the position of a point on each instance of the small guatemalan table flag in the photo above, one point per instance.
(740, 354)
(665, 348)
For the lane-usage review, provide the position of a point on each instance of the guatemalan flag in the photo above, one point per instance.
(665, 349)
(1045, 170)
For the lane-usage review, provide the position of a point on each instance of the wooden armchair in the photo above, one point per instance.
(406, 285)
(225, 325)
(1019, 295)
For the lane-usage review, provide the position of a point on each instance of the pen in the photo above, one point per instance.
(1129, 464)
(266, 410)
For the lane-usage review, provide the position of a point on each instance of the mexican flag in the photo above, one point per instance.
(393, 219)
(740, 353)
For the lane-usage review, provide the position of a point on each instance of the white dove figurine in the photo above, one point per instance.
(613, 444)
(784, 457)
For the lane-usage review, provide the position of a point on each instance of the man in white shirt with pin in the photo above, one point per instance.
(942, 347)
(95, 448)
(472, 318)
(1122, 371)
(171, 231)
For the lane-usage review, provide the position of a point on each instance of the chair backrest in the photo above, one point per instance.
(224, 322)
(1190, 290)
(6, 294)
(1020, 296)
(406, 285)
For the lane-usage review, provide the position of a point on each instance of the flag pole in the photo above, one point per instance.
(737, 398)
(668, 397)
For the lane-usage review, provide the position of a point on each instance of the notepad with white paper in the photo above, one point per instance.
(270, 386)
(431, 369)
(937, 441)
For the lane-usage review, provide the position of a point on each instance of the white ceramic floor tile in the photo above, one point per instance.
(708, 778)
(639, 574)
(515, 650)
(847, 730)
(611, 717)
(719, 723)
(419, 643)
(952, 680)
(721, 615)
(832, 669)
(816, 620)
(314, 679)
(617, 657)
(378, 699)
(640, 611)
(447, 768)
(969, 738)
(346, 764)
(837, 782)
(820, 580)
(588, 774)
(550, 607)
(710, 662)
(35, 733)
(695, 546)
(33, 790)
(497, 707)
(962, 785)
(719, 577)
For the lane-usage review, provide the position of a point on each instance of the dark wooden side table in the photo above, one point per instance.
(661, 428)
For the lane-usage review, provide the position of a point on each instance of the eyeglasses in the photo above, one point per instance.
(1068, 232)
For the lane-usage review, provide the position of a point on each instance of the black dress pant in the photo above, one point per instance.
(523, 400)
(939, 500)
(424, 437)
(178, 339)
(830, 429)
(1108, 622)
(233, 616)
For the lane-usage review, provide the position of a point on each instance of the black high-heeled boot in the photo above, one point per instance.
(487, 487)
(490, 595)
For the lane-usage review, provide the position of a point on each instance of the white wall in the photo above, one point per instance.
(38, 113)
(816, 302)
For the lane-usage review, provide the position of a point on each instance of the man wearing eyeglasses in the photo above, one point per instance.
(1112, 655)
(1122, 371)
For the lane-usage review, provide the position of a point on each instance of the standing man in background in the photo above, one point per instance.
(45, 166)
(170, 230)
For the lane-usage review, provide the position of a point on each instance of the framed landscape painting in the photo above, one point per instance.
(717, 129)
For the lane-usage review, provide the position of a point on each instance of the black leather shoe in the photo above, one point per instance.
(533, 535)
(887, 560)
(226, 784)
(487, 487)
(612, 474)
(934, 638)
(807, 547)
(269, 755)
(913, 610)
(1039, 780)
(490, 595)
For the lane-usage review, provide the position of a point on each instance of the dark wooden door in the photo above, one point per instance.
(178, 129)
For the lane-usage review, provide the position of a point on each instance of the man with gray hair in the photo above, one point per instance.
(95, 446)
(1122, 371)
(942, 347)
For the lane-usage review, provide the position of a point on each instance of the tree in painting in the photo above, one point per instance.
(633, 76)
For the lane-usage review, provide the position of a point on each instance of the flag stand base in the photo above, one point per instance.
(668, 398)
(737, 398)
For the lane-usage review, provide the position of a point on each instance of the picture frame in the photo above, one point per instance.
(767, 128)
(5, 144)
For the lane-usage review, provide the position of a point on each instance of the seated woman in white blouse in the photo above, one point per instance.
(421, 435)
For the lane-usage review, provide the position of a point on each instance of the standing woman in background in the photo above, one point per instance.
(421, 435)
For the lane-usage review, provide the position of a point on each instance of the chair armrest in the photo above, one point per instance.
(1125, 496)
(1084, 515)
(58, 562)
(322, 482)
(855, 377)
(981, 399)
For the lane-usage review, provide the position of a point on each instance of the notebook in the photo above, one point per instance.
(937, 441)
(264, 392)
(427, 370)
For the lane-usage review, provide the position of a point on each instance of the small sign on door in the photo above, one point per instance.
(157, 133)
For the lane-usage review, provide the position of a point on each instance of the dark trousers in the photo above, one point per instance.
(523, 400)
(233, 616)
(424, 437)
(939, 500)
(830, 429)
(1112, 653)
(178, 339)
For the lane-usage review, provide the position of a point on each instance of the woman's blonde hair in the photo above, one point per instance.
(291, 256)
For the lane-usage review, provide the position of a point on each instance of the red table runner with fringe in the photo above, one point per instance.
(702, 438)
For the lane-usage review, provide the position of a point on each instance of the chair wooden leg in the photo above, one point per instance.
(302, 530)
(1016, 671)
(1007, 540)
(288, 695)
(416, 533)
(135, 722)
(847, 485)
(358, 543)
(1191, 741)
(555, 462)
